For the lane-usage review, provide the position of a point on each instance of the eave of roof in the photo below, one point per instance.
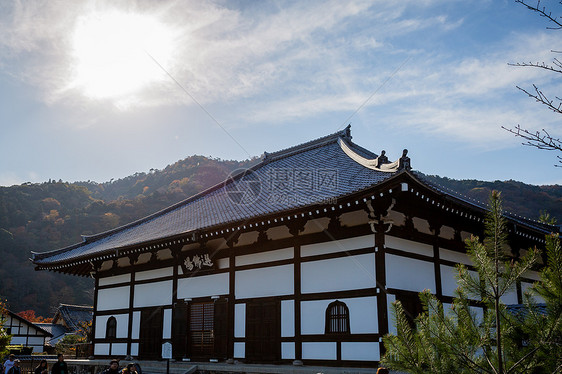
(357, 172)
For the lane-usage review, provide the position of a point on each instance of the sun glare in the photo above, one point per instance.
(111, 53)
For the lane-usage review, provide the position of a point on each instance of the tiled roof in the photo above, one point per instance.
(57, 331)
(521, 310)
(307, 174)
(316, 172)
(73, 315)
(546, 228)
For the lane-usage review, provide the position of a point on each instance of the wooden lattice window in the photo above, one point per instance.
(201, 328)
(337, 318)
(111, 328)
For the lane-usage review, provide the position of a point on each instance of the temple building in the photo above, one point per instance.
(296, 259)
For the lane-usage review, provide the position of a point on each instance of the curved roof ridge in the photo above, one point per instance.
(345, 133)
(322, 141)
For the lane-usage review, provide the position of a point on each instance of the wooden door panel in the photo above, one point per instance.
(150, 347)
(263, 331)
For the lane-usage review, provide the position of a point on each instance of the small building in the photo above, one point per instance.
(25, 333)
(68, 319)
(295, 259)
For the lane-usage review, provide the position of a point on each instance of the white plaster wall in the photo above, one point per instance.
(362, 315)
(478, 312)
(408, 246)
(239, 350)
(156, 273)
(421, 225)
(510, 297)
(240, 320)
(36, 340)
(319, 351)
(18, 340)
(533, 275)
(390, 313)
(447, 232)
(134, 349)
(269, 256)
(287, 351)
(101, 349)
(223, 263)
(449, 281)
(270, 281)
(360, 351)
(461, 258)
(208, 285)
(338, 274)
(525, 286)
(167, 324)
(119, 349)
(113, 298)
(366, 241)
(115, 279)
(122, 325)
(153, 294)
(135, 333)
(287, 318)
(409, 274)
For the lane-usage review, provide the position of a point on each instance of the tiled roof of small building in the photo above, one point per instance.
(307, 174)
(57, 332)
(73, 315)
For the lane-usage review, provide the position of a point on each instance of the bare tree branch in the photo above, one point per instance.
(540, 97)
(543, 13)
(539, 139)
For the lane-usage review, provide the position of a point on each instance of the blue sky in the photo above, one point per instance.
(94, 90)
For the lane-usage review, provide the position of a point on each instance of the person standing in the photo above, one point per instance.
(9, 363)
(60, 366)
(16, 369)
(113, 368)
(42, 368)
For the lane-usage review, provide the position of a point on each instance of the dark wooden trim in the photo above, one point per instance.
(131, 306)
(297, 301)
(231, 299)
(380, 276)
(95, 312)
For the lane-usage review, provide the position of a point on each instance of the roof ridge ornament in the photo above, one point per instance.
(380, 163)
(404, 161)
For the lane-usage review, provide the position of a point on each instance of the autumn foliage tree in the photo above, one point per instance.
(4, 337)
(31, 317)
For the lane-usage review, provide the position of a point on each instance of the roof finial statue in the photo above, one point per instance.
(404, 161)
(382, 159)
(348, 131)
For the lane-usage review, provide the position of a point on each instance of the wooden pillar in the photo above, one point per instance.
(95, 268)
(296, 227)
(380, 276)
(230, 242)
(435, 227)
(132, 260)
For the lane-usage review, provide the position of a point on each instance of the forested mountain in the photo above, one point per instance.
(51, 215)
